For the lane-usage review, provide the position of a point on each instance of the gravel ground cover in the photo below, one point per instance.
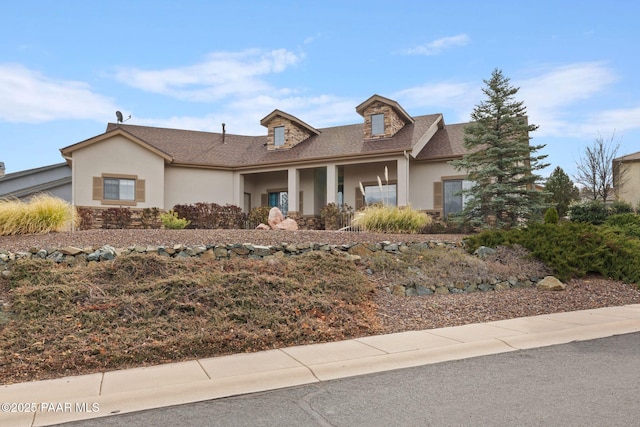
(125, 238)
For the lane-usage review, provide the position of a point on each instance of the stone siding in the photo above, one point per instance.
(392, 122)
(293, 134)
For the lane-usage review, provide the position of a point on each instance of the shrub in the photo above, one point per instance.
(150, 218)
(391, 219)
(116, 218)
(620, 207)
(572, 249)
(259, 215)
(232, 216)
(335, 216)
(85, 218)
(171, 221)
(551, 216)
(627, 223)
(42, 214)
(211, 215)
(594, 212)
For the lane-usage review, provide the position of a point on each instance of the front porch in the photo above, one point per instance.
(302, 192)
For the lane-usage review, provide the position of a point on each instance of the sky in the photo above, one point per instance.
(67, 66)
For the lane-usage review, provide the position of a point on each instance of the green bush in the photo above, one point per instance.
(573, 249)
(627, 223)
(620, 207)
(593, 212)
(551, 216)
(171, 221)
(391, 219)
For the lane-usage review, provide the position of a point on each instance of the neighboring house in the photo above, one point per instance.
(54, 180)
(626, 178)
(294, 165)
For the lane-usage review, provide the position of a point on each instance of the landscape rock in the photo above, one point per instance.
(287, 224)
(550, 283)
(275, 217)
(483, 252)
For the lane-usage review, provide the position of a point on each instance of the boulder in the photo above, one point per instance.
(263, 227)
(287, 224)
(483, 252)
(275, 217)
(550, 283)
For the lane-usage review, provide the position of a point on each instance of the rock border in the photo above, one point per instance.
(74, 256)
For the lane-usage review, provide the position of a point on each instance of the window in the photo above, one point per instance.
(377, 194)
(116, 189)
(278, 135)
(377, 124)
(454, 201)
(280, 200)
(119, 189)
(452, 196)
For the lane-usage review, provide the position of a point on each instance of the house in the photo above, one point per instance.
(294, 165)
(53, 179)
(626, 178)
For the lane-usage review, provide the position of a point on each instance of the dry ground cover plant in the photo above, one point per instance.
(145, 310)
(141, 310)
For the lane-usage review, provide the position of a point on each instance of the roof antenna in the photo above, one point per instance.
(119, 117)
(223, 133)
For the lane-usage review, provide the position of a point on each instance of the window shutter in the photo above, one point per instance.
(359, 199)
(140, 190)
(97, 188)
(264, 200)
(437, 195)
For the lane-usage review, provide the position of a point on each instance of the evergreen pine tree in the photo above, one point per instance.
(562, 190)
(500, 161)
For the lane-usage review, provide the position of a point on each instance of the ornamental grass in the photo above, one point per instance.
(41, 214)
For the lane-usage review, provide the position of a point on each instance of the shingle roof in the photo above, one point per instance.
(207, 148)
(447, 142)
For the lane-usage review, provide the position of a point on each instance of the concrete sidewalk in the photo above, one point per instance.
(49, 402)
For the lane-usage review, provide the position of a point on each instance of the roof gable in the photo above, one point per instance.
(360, 109)
(67, 152)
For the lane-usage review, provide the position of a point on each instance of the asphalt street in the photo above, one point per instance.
(588, 383)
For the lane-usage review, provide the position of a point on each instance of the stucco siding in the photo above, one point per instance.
(630, 191)
(117, 156)
(421, 179)
(191, 185)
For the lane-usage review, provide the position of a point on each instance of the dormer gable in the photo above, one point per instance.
(383, 117)
(285, 131)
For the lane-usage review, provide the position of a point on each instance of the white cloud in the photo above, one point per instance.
(437, 46)
(553, 98)
(459, 97)
(27, 96)
(242, 116)
(221, 75)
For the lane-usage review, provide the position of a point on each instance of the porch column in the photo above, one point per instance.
(332, 184)
(403, 181)
(293, 189)
(238, 189)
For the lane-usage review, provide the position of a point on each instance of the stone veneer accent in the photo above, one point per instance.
(392, 122)
(72, 256)
(293, 134)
